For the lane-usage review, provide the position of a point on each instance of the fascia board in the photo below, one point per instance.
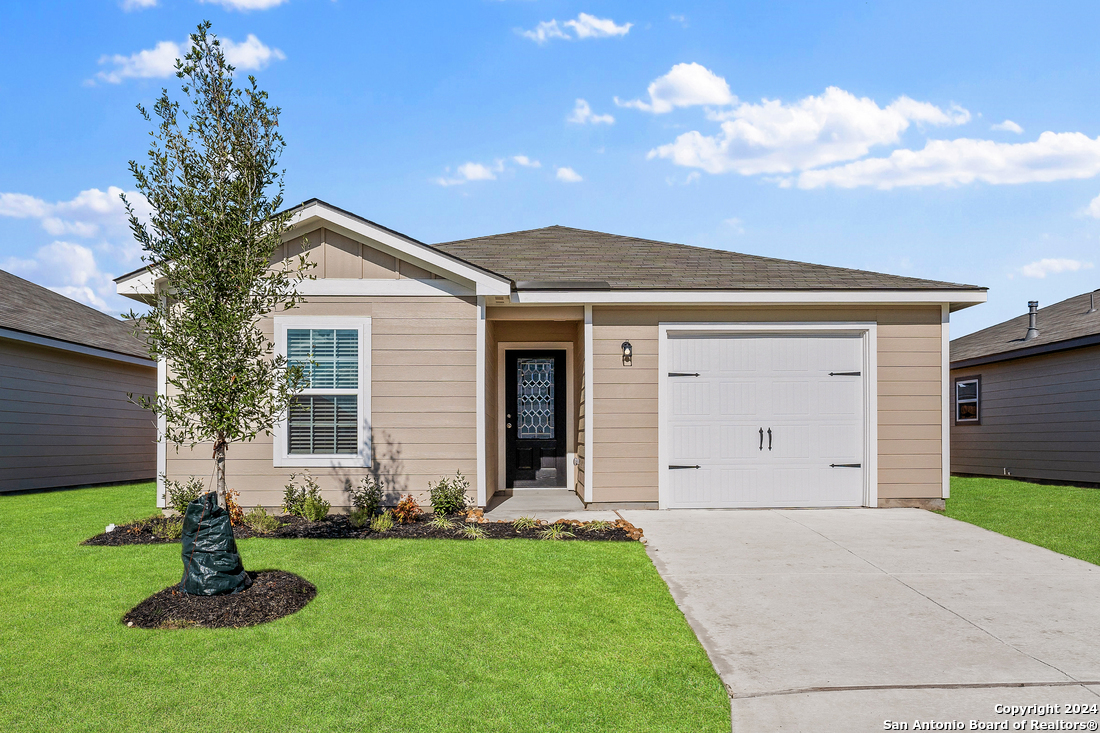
(749, 297)
(60, 345)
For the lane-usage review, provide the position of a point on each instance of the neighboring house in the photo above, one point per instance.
(65, 371)
(633, 372)
(1027, 395)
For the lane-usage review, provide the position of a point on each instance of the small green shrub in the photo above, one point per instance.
(407, 510)
(448, 495)
(472, 531)
(598, 525)
(315, 509)
(178, 494)
(383, 522)
(360, 517)
(440, 521)
(260, 521)
(173, 529)
(295, 496)
(525, 523)
(556, 532)
(367, 496)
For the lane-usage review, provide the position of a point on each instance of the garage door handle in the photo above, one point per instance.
(769, 438)
(845, 465)
(683, 374)
(761, 438)
(843, 374)
(685, 466)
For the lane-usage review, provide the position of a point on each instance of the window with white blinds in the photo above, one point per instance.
(326, 421)
(324, 424)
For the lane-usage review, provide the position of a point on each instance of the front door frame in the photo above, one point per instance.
(867, 330)
(570, 410)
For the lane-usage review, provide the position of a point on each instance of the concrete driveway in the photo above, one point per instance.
(840, 620)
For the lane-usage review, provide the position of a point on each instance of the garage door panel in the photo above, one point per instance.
(749, 383)
(691, 399)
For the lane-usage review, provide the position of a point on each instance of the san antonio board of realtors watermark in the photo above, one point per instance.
(1018, 717)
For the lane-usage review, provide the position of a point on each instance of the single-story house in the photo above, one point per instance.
(1026, 395)
(65, 371)
(635, 373)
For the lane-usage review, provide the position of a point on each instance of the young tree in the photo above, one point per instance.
(215, 194)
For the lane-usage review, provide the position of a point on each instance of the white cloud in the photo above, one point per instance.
(1053, 157)
(589, 26)
(472, 172)
(773, 137)
(681, 19)
(585, 26)
(250, 54)
(91, 213)
(69, 269)
(526, 162)
(685, 85)
(1008, 126)
(583, 115)
(568, 175)
(736, 224)
(245, 5)
(160, 61)
(129, 5)
(1053, 266)
(1093, 209)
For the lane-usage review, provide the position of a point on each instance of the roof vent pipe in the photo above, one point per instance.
(1032, 314)
(1092, 301)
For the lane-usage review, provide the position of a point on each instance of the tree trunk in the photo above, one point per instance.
(219, 465)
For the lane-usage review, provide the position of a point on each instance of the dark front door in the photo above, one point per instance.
(534, 408)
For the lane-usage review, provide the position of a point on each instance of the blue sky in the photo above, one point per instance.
(953, 141)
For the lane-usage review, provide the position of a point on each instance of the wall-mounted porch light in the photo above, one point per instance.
(628, 352)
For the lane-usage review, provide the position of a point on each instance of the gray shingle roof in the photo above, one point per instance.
(559, 253)
(33, 309)
(1062, 321)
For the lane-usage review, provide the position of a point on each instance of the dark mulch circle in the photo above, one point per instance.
(338, 527)
(273, 594)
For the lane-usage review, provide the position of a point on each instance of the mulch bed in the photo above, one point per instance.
(273, 594)
(152, 531)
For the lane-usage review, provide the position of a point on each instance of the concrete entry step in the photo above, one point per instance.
(548, 504)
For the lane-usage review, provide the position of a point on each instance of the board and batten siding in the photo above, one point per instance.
(624, 461)
(1040, 419)
(423, 404)
(66, 420)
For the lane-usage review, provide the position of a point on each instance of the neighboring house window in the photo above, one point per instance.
(968, 400)
(328, 421)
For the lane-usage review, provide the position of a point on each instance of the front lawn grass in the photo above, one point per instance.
(1061, 518)
(404, 635)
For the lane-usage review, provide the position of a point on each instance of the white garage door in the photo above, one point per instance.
(764, 421)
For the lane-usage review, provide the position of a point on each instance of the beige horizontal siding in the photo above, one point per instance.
(66, 420)
(625, 398)
(1040, 419)
(423, 401)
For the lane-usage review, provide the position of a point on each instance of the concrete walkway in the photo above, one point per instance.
(547, 504)
(839, 620)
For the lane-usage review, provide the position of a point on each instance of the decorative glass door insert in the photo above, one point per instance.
(535, 396)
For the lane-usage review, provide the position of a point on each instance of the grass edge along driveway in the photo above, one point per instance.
(1059, 518)
(404, 635)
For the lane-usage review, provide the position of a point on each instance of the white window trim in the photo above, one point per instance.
(868, 331)
(362, 459)
(977, 400)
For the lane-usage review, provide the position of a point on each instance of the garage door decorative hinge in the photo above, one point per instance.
(683, 374)
(843, 374)
(685, 466)
(845, 465)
